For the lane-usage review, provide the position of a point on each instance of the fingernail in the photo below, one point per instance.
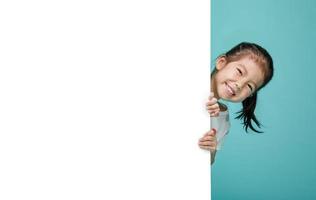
(214, 130)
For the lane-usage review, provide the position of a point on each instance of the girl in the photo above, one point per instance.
(238, 76)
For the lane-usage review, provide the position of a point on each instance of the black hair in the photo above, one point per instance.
(261, 56)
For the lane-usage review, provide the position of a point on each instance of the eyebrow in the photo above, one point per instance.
(243, 66)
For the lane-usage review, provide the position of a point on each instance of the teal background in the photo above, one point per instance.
(279, 164)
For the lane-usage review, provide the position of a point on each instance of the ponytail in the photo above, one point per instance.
(247, 114)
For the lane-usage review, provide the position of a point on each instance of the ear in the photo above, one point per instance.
(221, 62)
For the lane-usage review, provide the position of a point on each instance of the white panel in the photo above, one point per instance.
(104, 99)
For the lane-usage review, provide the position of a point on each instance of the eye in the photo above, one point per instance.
(240, 72)
(250, 87)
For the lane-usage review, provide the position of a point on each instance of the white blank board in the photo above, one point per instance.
(104, 99)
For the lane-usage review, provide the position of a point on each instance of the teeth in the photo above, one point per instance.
(230, 90)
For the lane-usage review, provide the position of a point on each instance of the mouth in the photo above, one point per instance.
(230, 90)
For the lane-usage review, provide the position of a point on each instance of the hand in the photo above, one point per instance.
(212, 106)
(208, 141)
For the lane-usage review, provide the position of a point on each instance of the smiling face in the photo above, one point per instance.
(235, 81)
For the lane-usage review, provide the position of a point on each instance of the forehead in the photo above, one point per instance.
(253, 69)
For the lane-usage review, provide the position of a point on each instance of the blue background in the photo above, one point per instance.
(280, 163)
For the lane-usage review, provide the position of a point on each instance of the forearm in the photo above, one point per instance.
(213, 154)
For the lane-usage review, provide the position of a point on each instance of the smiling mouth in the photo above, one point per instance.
(230, 89)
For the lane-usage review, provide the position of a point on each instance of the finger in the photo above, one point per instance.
(211, 101)
(211, 95)
(202, 138)
(215, 114)
(212, 132)
(208, 132)
(213, 107)
(207, 148)
(207, 143)
(209, 138)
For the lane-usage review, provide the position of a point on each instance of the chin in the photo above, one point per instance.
(230, 98)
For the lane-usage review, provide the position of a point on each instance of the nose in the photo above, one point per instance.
(237, 87)
(241, 83)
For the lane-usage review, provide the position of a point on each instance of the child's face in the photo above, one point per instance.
(237, 80)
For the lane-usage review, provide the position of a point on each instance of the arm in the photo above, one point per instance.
(209, 142)
(213, 154)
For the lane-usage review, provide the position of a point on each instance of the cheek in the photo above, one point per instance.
(245, 94)
(227, 75)
(234, 75)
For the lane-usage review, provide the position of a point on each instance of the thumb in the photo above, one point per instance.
(213, 131)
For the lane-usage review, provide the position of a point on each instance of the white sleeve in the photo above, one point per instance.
(222, 124)
(220, 142)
